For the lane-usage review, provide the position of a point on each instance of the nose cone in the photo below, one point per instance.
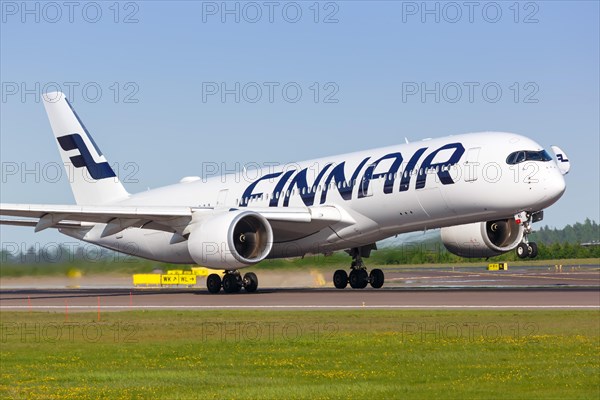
(555, 187)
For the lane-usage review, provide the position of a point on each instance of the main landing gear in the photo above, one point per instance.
(527, 249)
(359, 278)
(232, 282)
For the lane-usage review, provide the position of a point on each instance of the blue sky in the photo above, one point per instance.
(143, 77)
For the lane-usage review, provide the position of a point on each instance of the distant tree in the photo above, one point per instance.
(30, 257)
(577, 233)
(6, 257)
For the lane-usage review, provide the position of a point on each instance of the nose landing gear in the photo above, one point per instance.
(527, 249)
(359, 278)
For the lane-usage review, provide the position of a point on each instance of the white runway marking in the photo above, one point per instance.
(300, 307)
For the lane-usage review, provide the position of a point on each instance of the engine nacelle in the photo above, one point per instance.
(230, 240)
(482, 239)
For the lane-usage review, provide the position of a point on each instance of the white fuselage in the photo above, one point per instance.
(386, 191)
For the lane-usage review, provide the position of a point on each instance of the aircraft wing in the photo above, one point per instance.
(300, 221)
(117, 218)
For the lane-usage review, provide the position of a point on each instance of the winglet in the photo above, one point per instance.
(562, 161)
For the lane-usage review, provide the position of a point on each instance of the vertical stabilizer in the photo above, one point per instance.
(92, 179)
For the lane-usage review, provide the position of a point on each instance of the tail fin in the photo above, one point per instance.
(92, 179)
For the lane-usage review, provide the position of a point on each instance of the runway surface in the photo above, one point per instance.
(119, 299)
(520, 288)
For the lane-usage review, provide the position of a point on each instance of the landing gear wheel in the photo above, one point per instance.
(533, 250)
(523, 250)
(250, 282)
(376, 278)
(358, 279)
(526, 248)
(213, 283)
(340, 279)
(232, 283)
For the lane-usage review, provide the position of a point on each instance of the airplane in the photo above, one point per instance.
(484, 190)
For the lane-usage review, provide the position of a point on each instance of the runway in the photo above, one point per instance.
(119, 299)
(419, 288)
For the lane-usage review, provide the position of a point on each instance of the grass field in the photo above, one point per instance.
(313, 355)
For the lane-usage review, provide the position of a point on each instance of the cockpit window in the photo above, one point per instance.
(525, 155)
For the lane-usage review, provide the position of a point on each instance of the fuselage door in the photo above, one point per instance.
(222, 198)
(471, 165)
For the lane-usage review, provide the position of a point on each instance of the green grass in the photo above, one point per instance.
(317, 354)
(132, 266)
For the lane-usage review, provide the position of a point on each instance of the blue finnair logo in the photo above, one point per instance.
(561, 158)
(84, 159)
(334, 177)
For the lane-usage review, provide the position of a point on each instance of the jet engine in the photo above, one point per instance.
(230, 240)
(482, 239)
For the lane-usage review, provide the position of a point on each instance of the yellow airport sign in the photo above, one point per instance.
(146, 279)
(175, 272)
(169, 279)
(203, 271)
(502, 266)
(187, 279)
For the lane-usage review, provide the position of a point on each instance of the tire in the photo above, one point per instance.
(377, 278)
(358, 279)
(533, 250)
(213, 283)
(522, 250)
(340, 279)
(363, 278)
(231, 283)
(250, 282)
